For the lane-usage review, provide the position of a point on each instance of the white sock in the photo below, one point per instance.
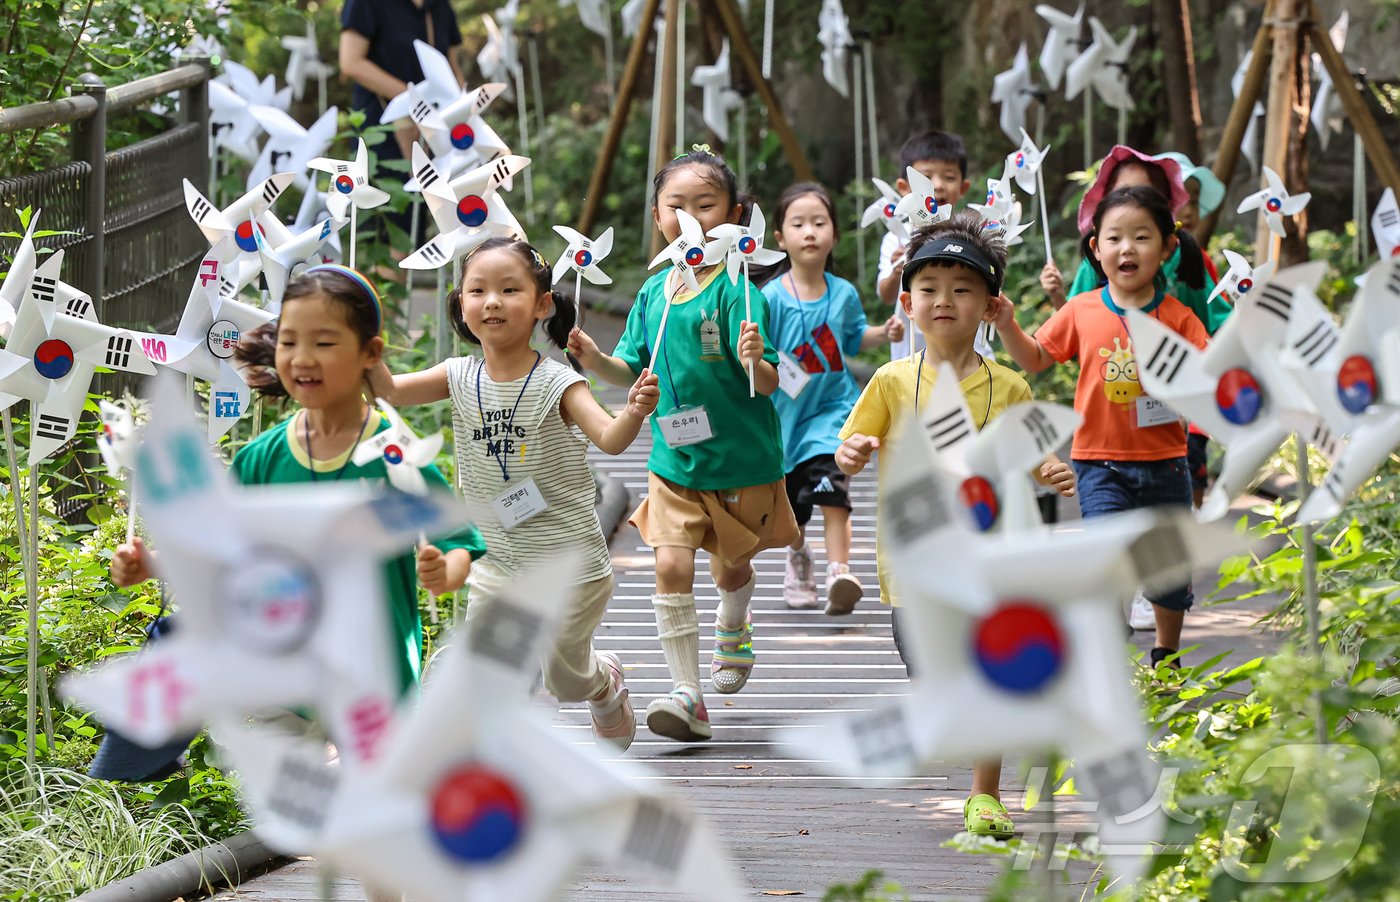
(679, 629)
(734, 606)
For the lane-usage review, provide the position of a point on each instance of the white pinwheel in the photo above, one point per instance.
(1023, 639)
(583, 255)
(466, 143)
(1013, 90)
(284, 253)
(19, 277)
(1061, 43)
(49, 360)
(592, 13)
(349, 183)
(1104, 65)
(834, 34)
(1275, 201)
(1327, 115)
(920, 207)
(257, 93)
(743, 245)
(117, 440)
(467, 210)
(304, 60)
(205, 341)
(687, 253)
(1237, 389)
(1385, 224)
(290, 148)
(405, 453)
(237, 222)
(475, 795)
(1024, 163)
(1241, 278)
(281, 595)
(1002, 211)
(885, 210)
(230, 126)
(499, 57)
(1249, 142)
(718, 98)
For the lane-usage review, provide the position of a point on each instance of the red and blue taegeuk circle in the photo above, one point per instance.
(1020, 160)
(979, 498)
(695, 256)
(1244, 285)
(1357, 386)
(583, 258)
(931, 204)
(344, 184)
(53, 358)
(1239, 397)
(471, 211)
(1019, 647)
(477, 814)
(889, 211)
(747, 245)
(393, 454)
(1273, 204)
(243, 236)
(462, 136)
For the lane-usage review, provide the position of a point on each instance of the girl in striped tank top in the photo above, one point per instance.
(521, 424)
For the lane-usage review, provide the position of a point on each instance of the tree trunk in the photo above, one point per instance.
(1179, 75)
(1294, 248)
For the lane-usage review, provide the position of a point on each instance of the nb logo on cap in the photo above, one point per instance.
(955, 248)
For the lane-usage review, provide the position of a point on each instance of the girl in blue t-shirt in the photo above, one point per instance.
(815, 319)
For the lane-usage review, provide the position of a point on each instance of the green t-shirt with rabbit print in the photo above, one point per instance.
(697, 365)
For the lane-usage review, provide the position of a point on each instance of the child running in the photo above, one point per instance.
(1129, 452)
(717, 484)
(521, 425)
(951, 283)
(319, 354)
(815, 318)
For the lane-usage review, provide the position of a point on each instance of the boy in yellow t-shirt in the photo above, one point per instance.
(951, 283)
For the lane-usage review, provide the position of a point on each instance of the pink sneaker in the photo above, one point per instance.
(680, 716)
(614, 724)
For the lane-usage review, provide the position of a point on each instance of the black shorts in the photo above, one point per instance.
(817, 482)
(1196, 459)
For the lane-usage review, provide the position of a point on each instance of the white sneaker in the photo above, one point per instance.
(843, 590)
(799, 589)
(1142, 616)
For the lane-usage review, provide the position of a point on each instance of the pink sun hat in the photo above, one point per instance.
(1116, 157)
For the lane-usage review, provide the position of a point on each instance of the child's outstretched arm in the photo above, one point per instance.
(441, 572)
(892, 330)
(1053, 283)
(765, 374)
(612, 434)
(409, 389)
(131, 564)
(1024, 349)
(612, 370)
(1058, 475)
(855, 453)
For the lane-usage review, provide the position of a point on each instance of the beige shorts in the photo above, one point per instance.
(733, 525)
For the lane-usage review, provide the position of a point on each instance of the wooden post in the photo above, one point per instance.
(668, 112)
(602, 169)
(1179, 75)
(740, 46)
(1227, 155)
(1284, 37)
(1355, 105)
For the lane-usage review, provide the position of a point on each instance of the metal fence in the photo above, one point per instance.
(133, 249)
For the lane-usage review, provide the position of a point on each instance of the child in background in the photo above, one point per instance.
(942, 157)
(1128, 452)
(815, 319)
(1204, 195)
(717, 483)
(319, 354)
(1186, 275)
(951, 284)
(521, 423)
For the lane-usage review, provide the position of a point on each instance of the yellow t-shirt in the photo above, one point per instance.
(882, 408)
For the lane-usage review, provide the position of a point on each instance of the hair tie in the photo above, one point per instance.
(540, 262)
(359, 279)
(1178, 225)
(694, 148)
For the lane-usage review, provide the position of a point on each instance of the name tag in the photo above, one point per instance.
(518, 503)
(1151, 412)
(685, 426)
(791, 377)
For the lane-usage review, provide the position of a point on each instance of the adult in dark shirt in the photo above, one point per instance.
(376, 51)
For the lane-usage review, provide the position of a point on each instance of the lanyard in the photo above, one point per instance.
(306, 439)
(802, 311)
(481, 412)
(919, 378)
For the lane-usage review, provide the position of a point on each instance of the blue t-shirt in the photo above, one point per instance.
(816, 334)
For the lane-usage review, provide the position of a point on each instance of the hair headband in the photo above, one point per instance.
(958, 250)
(364, 284)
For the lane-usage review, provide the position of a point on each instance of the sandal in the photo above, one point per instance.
(733, 658)
(985, 815)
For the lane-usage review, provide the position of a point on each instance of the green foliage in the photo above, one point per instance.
(871, 887)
